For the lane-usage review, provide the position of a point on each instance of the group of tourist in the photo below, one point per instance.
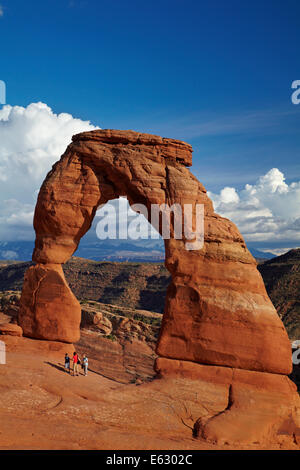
(76, 363)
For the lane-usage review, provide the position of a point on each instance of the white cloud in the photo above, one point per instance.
(1, 10)
(32, 139)
(277, 251)
(9, 255)
(269, 210)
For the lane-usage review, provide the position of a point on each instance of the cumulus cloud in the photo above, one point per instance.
(32, 139)
(8, 254)
(16, 219)
(267, 211)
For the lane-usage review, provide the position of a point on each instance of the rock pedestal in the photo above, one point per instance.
(49, 310)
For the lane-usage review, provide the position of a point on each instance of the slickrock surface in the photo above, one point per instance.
(250, 414)
(43, 407)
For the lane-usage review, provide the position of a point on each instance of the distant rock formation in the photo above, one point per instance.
(282, 280)
(217, 311)
(135, 285)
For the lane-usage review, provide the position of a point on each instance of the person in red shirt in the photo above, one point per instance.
(75, 363)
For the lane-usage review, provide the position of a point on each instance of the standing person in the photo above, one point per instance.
(67, 363)
(85, 364)
(75, 363)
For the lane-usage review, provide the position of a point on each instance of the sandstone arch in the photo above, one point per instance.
(230, 320)
(218, 317)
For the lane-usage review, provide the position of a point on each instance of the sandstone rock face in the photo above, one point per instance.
(103, 324)
(10, 329)
(99, 322)
(10, 304)
(217, 311)
(126, 328)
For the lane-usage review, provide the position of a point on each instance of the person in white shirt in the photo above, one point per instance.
(85, 364)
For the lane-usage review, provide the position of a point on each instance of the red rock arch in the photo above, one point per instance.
(217, 310)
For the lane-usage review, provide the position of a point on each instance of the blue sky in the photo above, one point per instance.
(164, 67)
(217, 74)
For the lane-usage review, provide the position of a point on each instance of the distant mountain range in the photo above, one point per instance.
(107, 250)
(260, 255)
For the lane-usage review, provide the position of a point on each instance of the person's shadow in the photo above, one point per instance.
(59, 367)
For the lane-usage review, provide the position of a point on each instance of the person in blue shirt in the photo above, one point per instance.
(67, 363)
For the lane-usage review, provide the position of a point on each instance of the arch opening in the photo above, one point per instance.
(120, 245)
